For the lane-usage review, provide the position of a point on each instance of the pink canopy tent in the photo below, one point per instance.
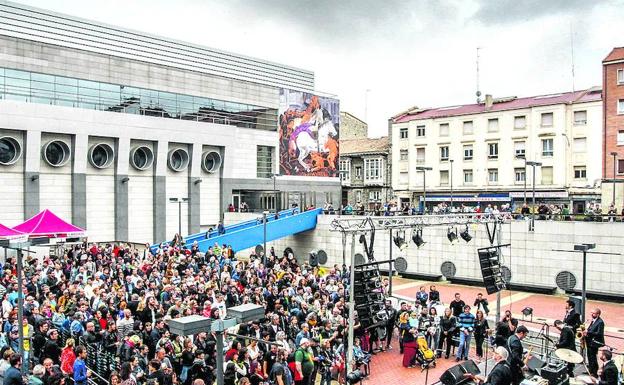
(47, 224)
(9, 233)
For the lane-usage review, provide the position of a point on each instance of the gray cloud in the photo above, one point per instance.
(510, 11)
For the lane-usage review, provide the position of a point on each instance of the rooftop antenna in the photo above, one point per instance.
(572, 53)
(478, 90)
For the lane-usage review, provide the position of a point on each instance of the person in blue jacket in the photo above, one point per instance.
(80, 368)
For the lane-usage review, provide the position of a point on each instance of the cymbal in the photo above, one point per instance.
(568, 355)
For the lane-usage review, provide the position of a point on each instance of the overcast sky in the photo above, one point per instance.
(406, 53)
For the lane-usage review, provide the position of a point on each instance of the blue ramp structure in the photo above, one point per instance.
(250, 236)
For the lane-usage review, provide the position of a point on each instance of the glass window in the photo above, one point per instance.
(403, 155)
(374, 196)
(17, 74)
(520, 175)
(444, 153)
(580, 144)
(403, 133)
(580, 118)
(264, 164)
(372, 169)
(620, 166)
(444, 178)
(420, 131)
(547, 175)
(403, 178)
(620, 137)
(493, 150)
(620, 106)
(468, 152)
(468, 128)
(345, 170)
(444, 129)
(547, 147)
(467, 176)
(519, 122)
(620, 76)
(580, 172)
(493, 175)
(493, 125)
(547, 119)
(420, 155)
(358, 172)
(520, 149)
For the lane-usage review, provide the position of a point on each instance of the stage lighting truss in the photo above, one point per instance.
(399, 240)
(465, 235)
(417, 237)
(451, 234)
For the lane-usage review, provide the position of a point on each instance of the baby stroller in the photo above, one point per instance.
(426, 357)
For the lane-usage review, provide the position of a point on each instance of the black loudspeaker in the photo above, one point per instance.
(470, 367)
(535, 364)
(490, 270)
(454, 375)
(555, 375)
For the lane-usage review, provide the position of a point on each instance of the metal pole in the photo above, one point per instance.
(532, 227)
(20, 309)
(344, 252)
(390, 266)
(451, 177)
(219, 338)
(584, 292)
(525, 181)
(613, 199)
(180, 217)
(351, 305)
(424, 192)
(498, 293)
(264, 221)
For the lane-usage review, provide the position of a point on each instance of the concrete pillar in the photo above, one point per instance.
(194, 187)
(79, 180)
(160, 190)
(121, 188)
(32, 158)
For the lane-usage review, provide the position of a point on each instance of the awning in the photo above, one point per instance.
(469, 198)
(539, 194)
(47, 224)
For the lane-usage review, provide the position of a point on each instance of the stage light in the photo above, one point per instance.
(399, 241)
(465, 235)
(452, 235)
(527, 311)
(355, 376)
(417, 237)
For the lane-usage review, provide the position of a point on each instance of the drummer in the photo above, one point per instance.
(609, 372)
(566, 341)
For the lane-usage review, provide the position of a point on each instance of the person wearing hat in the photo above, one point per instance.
(303, 363)
(516, 354)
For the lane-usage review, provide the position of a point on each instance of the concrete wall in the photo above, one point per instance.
(531, 257)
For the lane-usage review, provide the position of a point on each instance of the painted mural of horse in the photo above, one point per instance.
(302, 142)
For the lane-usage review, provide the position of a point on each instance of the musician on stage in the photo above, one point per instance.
(501, 373)
(572, 318)
(516, 354)
(609, 372)
(567, 340)
(594, 338)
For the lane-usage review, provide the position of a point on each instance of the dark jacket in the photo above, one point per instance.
(567, 339)
(595, 333)
(572, 319)
(515, 359)
(500, 374)
(13, 376)
(609, 375)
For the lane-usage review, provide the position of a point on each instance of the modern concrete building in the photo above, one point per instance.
(613, 128)
(477, 152)
(106, 126)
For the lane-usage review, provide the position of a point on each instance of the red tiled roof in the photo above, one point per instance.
(503, 104)
(616, 54)
(363, 146)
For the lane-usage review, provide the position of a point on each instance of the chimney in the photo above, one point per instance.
(489, 101)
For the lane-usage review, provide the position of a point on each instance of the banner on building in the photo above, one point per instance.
(309, 127)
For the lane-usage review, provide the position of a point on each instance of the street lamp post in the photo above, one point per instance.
(424, 170)
(451, 182)
(614, 155)
(179, 201)
(532, 164)
(264, 222)
(584, 247)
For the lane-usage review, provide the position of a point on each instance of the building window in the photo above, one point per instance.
(519, 122)
(547, 119)
(620, 106)
(493, 125)
(468, 152)
(520, 175)
(444, 129)
(467, 176)
(580, 172)
(358, 172)
(403, 133)
(620, 137)
(403, 155)
(580, 118)
(372, 169)
(580, 144)
(444, 178)
(620, 76)
(493, 176)
(547, 175)
(444, 153)
(420, 155)
(420, 131)
(358, 196)
(520, 149)
(345, 170)
(493, 150)
(468, 128)
(374, 196)
(547, 147)
(264, 164)
(620, 166)
(403, 178)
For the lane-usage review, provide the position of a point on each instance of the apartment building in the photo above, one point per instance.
(477, 152)
(613, 126)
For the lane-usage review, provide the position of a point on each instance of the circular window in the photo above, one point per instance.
(178, 159)
(101, 155)
(565, 280)
(10, 150)
(56, 153)
(142, 158)
(448, 269)
(211, 161)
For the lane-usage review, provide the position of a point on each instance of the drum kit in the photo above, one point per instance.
(572, 357)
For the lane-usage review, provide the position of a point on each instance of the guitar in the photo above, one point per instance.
(526, 359)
